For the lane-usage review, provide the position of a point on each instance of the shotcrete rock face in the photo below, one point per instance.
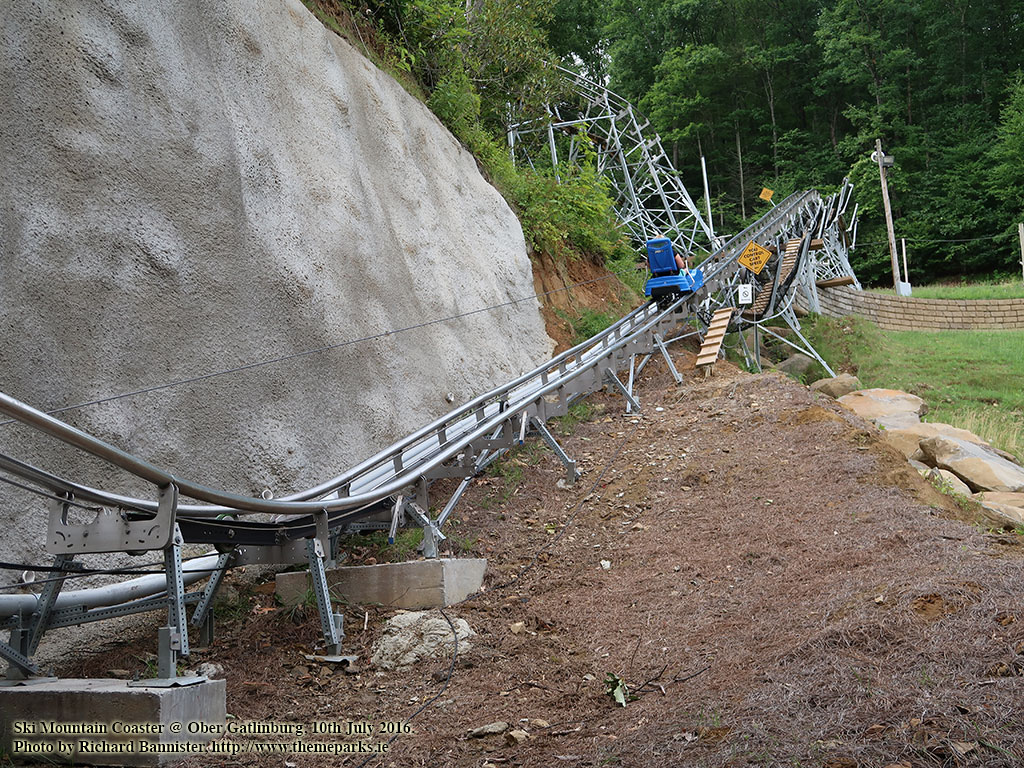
(190, 187)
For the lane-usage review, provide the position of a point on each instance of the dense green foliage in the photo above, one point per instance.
(791, 94)
(471, 62)
(787, 94)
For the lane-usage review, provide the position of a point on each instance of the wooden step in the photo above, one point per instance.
(835, 282)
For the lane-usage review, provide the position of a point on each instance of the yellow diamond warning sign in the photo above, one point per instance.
(754, 257)
(766, 194)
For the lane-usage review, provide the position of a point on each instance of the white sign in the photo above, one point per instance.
(745, 294)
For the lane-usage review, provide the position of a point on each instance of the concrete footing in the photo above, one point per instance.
(413, 586)
(106, 722)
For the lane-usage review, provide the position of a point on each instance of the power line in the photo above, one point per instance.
(318, 350)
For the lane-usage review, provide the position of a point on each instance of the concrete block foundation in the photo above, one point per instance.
(413, 586)
(106, 722)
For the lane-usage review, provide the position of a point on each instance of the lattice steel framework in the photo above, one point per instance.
(650, 198)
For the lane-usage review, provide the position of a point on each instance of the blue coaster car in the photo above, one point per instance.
(668, 281)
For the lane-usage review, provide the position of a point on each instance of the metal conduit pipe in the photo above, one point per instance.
(111, 594)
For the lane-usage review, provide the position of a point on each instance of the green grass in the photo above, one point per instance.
(1013, 289)
(970, 379)
(579, 412)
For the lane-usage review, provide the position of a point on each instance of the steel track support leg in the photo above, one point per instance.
(41, 617)
(431, 534)
(629, 383)
(173, 638)
(571, 474)
(19, 665)
(747, 357)
(202, 616)
(614, 381)
(668, 358)
(331, 624)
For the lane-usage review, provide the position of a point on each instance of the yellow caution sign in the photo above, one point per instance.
(766, 194)
(754, 257)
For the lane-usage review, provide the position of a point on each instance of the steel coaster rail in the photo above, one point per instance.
(485, 411)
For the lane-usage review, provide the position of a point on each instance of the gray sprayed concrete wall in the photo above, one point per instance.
(194, 186)
(905, 313)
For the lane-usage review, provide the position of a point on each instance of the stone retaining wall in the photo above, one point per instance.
(899, 313)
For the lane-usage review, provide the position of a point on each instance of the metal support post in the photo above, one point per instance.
(431, 534)
(331, 624)
(614, 381)
(668, 358)
(41, 618)
(202, 616)
(629, 384)
(172, 638)
(571, 475)
(19, 666)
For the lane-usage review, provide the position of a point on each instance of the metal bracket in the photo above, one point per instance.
(111, 530)
(571, 475)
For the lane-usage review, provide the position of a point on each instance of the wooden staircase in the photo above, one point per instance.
(764, 298)
(713, 340)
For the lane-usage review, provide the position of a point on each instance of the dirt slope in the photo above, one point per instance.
(782, 590)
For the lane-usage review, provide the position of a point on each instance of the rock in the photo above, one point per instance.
(491, 729)
(949, 481)
(606, 565)
(1012, 516)
(416, 635)
(837, 386)
(518, 628)
(798, 365)
(539, 723)
(516, 737)
(1006, 505)
(889, 408)
(979, 467)
(211, 670)
(908, 439)
(920, 466)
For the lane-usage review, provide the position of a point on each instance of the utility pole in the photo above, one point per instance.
(885, 161)
(1020, 231)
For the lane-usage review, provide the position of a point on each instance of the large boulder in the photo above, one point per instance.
(837, 386)
(908, 439)
(799, 366)
(889, 408)
(949, 481)
(417, 636)
(979, 467)
(1007, 505)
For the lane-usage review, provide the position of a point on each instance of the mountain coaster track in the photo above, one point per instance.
(392, 488)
